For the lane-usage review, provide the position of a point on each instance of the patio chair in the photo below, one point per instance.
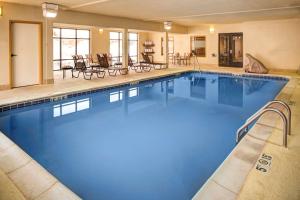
(112, 70)
(153, 65)
(80, 67)
(91, 62)
(138, 67)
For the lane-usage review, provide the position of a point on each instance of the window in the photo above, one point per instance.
(198, 45)
(68, 42)
(171, 45)
(133, 46)
(115, 47)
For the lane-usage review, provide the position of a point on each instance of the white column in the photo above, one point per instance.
(166, 48)
(125, 48)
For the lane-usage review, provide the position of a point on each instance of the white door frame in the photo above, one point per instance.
(40, 74)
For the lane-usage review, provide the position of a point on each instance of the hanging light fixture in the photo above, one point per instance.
(100, 30)
(168, 25)
(50, 10)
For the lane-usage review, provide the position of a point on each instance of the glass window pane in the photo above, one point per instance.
(114, 48)
(121, 48)
(56, 65)
(67, 63)
(83, 34)
(133, 49)
(67, 48)
(133, 36)
(83, 46)
(64, 46)
(120, 35)
(134, 59)
(56, 49)
(116, 60)
(68, 33)
(56, 32)
(114, 35)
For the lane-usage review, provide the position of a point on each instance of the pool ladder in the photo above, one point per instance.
(266, 108)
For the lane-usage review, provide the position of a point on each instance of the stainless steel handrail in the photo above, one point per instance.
(259, 114)
(289, 117)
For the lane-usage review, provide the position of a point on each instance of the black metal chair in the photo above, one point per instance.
(154, 65)
(138, 67)
(80, 67)
(112, 70)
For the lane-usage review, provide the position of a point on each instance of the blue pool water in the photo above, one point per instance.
(157, 140)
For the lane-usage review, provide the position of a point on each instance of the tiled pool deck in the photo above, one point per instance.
(23, 178)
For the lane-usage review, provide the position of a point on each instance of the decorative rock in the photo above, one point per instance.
(255, 66)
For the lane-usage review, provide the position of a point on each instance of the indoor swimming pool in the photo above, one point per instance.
(158, 139)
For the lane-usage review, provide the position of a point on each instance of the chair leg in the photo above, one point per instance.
(99, 74)
(123, 71)
(73, 76)
(147, 69)
(89, 77)
(138, 69)
(112, 72)
(158, 68)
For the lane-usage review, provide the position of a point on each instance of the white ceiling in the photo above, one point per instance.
(185, 12)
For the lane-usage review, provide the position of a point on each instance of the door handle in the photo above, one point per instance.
(13, 55)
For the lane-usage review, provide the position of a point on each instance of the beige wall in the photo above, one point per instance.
(276, 43)
(99, 41)
(181, 43)
(156, 38)
(143, 36)
(34, 13)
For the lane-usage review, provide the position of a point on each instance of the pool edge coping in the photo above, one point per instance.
(69, 192)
